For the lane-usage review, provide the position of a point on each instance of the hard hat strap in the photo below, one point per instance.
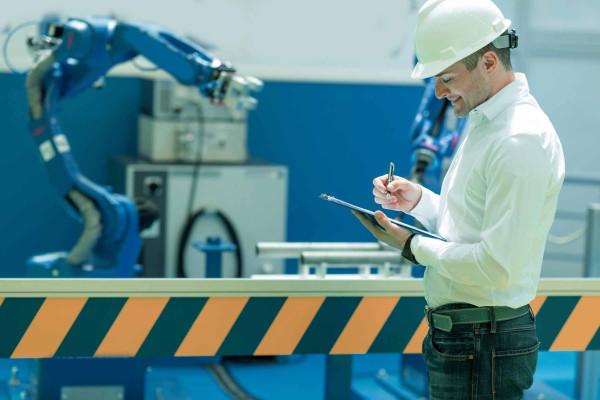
(508, 40)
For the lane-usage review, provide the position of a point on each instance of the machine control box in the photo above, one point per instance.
(178, 124)
(176, 140)
(252, 197)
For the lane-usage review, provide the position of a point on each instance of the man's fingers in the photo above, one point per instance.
(399, 184)
(390, 204)
(380, 183)
(384, 221)
(363, 219)
(381, 196)
(398, 232)
(383, 229)
(378, 193)
(358, 215)
(382, 218)
(368, 223)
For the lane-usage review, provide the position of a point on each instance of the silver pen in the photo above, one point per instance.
(390, 179)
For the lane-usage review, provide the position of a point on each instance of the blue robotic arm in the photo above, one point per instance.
(434, 135)
(73, 54)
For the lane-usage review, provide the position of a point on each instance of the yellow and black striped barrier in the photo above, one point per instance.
(179, 318)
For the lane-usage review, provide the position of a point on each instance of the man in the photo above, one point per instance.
(495, 209)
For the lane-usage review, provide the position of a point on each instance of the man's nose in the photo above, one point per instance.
(441, 90)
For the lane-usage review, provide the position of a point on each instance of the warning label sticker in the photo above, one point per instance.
(47, 150)
(62, 144)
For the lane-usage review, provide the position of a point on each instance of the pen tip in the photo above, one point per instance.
(324, 196)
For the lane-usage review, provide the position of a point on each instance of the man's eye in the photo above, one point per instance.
(447, 80)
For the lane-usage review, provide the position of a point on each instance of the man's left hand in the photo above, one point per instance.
(391, 234)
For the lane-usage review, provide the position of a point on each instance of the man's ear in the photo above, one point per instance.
(490, 61)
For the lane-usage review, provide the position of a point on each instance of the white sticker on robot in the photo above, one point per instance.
(47, 150)
(61, 143)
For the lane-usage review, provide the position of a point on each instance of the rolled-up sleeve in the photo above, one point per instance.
(517, 172)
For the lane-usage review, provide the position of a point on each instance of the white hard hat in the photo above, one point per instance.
(449, 30)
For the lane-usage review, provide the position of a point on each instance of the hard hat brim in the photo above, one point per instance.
(429, 69)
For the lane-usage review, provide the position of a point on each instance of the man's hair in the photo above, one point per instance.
(503, 55)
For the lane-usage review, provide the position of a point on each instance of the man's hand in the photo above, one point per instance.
(405, 195)
(391, 234)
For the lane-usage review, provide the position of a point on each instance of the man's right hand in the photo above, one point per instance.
(405, 195)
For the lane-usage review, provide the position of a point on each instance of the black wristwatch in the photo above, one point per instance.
(407, 252)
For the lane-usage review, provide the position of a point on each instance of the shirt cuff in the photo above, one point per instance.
(426, 249)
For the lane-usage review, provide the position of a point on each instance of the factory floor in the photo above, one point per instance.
(300, 377)
(303, 377)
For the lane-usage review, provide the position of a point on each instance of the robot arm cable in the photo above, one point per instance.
(92, 228)
(34, 85)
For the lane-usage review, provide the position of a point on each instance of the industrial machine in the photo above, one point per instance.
(72, 55)
(193, 164)
(178, 124)
(238, 203)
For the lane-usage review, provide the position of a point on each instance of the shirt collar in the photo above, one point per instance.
(499, 102)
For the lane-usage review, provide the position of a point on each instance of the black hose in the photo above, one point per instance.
(185, 236)
(228, 383)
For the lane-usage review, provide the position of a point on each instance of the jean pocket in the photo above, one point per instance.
(512, 371)
(450, 363)
(453, 348)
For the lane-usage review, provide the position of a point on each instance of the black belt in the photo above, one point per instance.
(445, 319)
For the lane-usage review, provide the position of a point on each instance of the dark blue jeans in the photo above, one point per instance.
(471, 362)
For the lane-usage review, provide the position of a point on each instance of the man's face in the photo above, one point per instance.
(465, 89)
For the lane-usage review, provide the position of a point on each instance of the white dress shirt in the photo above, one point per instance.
(496, 205)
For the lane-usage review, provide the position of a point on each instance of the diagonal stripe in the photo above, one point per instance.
(579, 328)
(15, 316)
(90, 327)
(400, 327)
(212, 326)
(173, 324)
(595, 342)
(1, 300)
(327, 325)
(552, 316)
(49, 327)
(288, 327)
(251, 326)
(415, 344)
(364, 325)
(131, 326)
(537, 303)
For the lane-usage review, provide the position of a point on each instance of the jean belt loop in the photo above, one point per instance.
(429, 318)
(493, 319)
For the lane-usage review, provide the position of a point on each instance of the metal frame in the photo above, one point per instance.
(589, 362)
(344, 285)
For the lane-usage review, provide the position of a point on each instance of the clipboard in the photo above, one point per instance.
(371, 215)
